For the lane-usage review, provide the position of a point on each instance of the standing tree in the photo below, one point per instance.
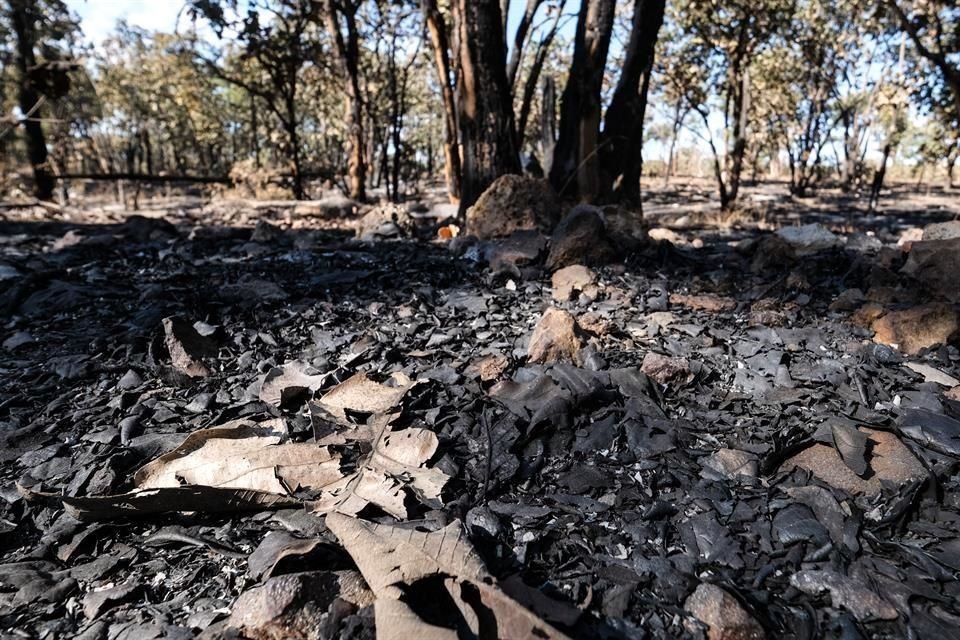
(340, 18)
(487, 132)
(39, 24)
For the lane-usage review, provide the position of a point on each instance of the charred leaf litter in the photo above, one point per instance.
(725, 452)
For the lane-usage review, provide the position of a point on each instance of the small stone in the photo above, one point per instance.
(935, 264)
(917, 328)
(595, 323)
(704, 302)
(568, 280)
(942, 231)
(264, 232)
(725, 618)
(889, 460)
(554, 338)
(730, 463)
(810, 238)
(845, 592)
(848, 300)
(487, 368)
(201, 403)
(130, 380)
(667, 370)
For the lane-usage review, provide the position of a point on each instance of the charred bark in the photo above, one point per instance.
(23, 19)
(576, 165)
(487, 131)
(622, 140)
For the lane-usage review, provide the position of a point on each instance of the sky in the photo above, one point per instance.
(99, 17)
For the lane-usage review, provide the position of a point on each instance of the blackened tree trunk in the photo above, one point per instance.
(23, 19)
(437, 28)
(576, 165)
(622, 139)
(487, 131)
(347, 49)
(739, 87)
(533, 79)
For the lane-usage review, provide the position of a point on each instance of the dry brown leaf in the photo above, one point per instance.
(360, 394)
(396, 460)
(392, 560)
(238, 457)
(291, 379)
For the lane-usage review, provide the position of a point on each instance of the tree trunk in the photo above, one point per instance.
(484, 106)
(877, 185)
(740, 88)
(576, 166)
(23, 18)
(622, 140)
(530, 86)
(348, 56)
(437, 28)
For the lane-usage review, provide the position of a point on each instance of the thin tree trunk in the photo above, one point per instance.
(622, 139)
(575, 162)
(348, 55)
(437, 28)
(23, 17)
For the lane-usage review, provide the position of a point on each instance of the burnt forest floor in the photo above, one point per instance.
(611, 493)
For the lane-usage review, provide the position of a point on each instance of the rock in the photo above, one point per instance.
(867, 314)
(570, 280)
(889, 460)
(581, 238)
(596, 323)
(770, 253)
(847, 300)
(265, 232)
(730, 463)
(518, 250)
(845, 592)
(513, 203)
(942, 231)
(386, 220)
(299, 605)
(917, 328)
(725, 618)
(487, 368)
(143, 229)
(810, 238)
(704, 302)
(935, 264)
(554, 338)
(130, 380)
(662, 234)
(667, 370)
(908, 237)
(953, 394)
(864, 243)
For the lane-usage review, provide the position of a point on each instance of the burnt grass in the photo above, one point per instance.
(590, 481)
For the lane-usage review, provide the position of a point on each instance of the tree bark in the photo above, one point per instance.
(622, 140)
(23, 18)
(347, 51)
(484, 107)
(437, 28)
(740, 97)
(576, 167)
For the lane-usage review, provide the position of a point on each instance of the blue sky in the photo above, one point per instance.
(99, 17)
